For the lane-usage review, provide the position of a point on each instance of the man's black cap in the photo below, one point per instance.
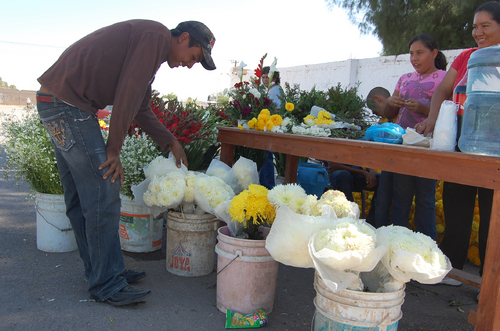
(202, 34)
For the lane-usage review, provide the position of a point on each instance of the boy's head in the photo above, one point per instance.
(376, 100)
(193, 42)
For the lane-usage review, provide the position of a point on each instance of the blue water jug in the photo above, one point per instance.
(480, 133)
(312, 177)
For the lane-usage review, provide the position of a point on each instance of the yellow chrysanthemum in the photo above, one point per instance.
(261, 124)
(289, 106)
(252, 123)
(240, 127)
(269, 125)
(276, 119)
(265, 112)
(263, 117)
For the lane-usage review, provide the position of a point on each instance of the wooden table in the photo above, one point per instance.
(455, 167)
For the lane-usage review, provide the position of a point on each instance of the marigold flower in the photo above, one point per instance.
(289, 106)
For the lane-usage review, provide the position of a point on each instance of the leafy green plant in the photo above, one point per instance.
(30, 153)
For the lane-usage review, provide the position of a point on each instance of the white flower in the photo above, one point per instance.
(339, 203)
(171, 190)
(190, 178)
(291, 195)
(347, 235)
(255, 93)
(308, 205)
(210, 191)
(272, 67)
(310, 121)
(240, 72)
(412, 255)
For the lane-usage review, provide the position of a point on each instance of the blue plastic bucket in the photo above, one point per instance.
(312, 177)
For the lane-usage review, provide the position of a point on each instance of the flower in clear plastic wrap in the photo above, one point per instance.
(252, 208)
(210, 191)
(347, 235)
(244, 173)
(291, 195)
(339, 203)
(308, 205)
(169, 190)
(189, 194)
(412, 255)
(324, 117)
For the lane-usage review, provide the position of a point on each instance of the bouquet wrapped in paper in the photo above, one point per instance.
(343, 250)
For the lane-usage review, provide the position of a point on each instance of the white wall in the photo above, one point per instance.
(380, 71)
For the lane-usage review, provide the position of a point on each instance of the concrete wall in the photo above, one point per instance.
(16, 97)
(380, 71)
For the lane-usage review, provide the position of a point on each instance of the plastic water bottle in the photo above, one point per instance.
(480, 132)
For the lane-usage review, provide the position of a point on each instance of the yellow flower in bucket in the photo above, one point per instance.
(252, 208)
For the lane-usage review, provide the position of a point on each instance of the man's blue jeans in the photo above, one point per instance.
(92, 203)
(425, 203)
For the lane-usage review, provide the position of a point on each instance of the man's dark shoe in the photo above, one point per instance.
(127, 296)
(132, 276)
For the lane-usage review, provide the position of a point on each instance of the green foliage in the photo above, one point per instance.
(30, 153)
(395, 22)
(345, 103)
(6, 85)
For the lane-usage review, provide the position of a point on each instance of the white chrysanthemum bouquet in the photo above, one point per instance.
(168, 187)
(347, 252)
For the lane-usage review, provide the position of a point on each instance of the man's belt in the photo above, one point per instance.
(48, 98)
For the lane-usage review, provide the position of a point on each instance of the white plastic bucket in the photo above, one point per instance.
(53, 229)
(191, 240)
(246, 274)
(356, 310)
(139, 230)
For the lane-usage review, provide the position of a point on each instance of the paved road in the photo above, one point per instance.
(47, 291)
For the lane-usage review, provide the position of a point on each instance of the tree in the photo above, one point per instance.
(6, 85)
(395, 22)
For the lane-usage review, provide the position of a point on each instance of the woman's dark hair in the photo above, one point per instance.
(192, 41)
(276, 75)
(431, 43)
(492, 7)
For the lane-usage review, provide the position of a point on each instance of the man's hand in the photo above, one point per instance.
(115, 167)
(371, 178)
(178, 152)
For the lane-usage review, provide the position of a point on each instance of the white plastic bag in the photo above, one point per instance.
(413, 138)
(243, 173)
(290, 233)
(445, 130)
(219, 169)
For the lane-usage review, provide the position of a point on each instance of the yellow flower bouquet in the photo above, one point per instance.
(252, 209)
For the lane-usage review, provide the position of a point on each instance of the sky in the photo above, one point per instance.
(34, 33)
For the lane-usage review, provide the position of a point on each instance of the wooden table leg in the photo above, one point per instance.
(292, 162)
(226, 154)
(488, 310)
